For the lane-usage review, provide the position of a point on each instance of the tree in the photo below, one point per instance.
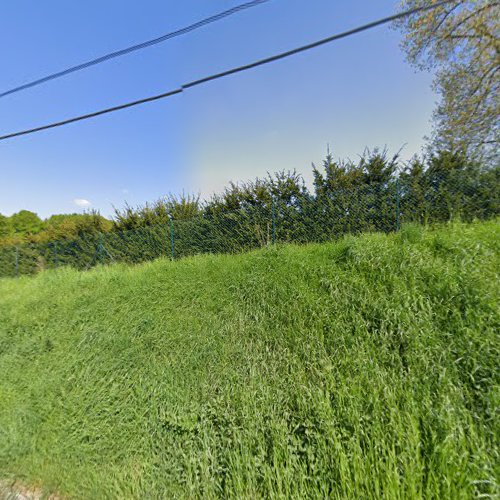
(26, 223)
(72, 226)
(4, 226)
(285, 187)
(460, 40)
(357, 196)
(184, 206)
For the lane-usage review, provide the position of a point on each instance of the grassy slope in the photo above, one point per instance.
(356, 368)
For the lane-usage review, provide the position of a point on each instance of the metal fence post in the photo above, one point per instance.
(398, 206)
(273, 215)
(17, 262)
(102, 251)
(172, 239)
(99, 249)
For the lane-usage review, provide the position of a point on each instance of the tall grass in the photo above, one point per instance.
(365, 368)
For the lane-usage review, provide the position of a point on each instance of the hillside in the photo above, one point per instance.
(357, 369)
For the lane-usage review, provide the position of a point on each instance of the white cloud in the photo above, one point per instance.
(82, 203)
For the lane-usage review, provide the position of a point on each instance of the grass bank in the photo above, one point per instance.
(362, 368)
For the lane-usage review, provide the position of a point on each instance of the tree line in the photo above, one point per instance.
(27, 227)
(375, 193)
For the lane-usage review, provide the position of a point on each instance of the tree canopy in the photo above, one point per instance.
(25, 226)
(460, 42)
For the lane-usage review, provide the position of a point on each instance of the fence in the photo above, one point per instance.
(300, 219)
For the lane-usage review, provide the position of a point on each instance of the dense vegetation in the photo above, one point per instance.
(374, 194)
(458, 42)
(25, 226)
(365, 368)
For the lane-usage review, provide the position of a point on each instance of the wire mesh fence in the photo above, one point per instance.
(381, 207)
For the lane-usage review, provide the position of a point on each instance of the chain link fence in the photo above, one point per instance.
(301, 219)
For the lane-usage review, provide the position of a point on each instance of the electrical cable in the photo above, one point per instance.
(133, 48)
(232, 71)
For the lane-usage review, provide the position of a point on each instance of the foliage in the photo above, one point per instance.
(358, 196)
(375, 193)
(75, 225)
(365, 368)
(451, 186)
(25, 223)
(461, 41)
(282, 187)
(27, 227)
(374, 168)
(5, 228)
(175, 207)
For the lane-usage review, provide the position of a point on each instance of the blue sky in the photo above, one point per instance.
(354, 93)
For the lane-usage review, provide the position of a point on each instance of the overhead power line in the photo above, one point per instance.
(232, 71)
(134, 48)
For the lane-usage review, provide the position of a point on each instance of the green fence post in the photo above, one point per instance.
(273, 215)
(17, 262)
(172, 239)
(102, 250)
(398, 206)
(99, 249)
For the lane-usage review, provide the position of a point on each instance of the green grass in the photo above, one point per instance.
(365, 368)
